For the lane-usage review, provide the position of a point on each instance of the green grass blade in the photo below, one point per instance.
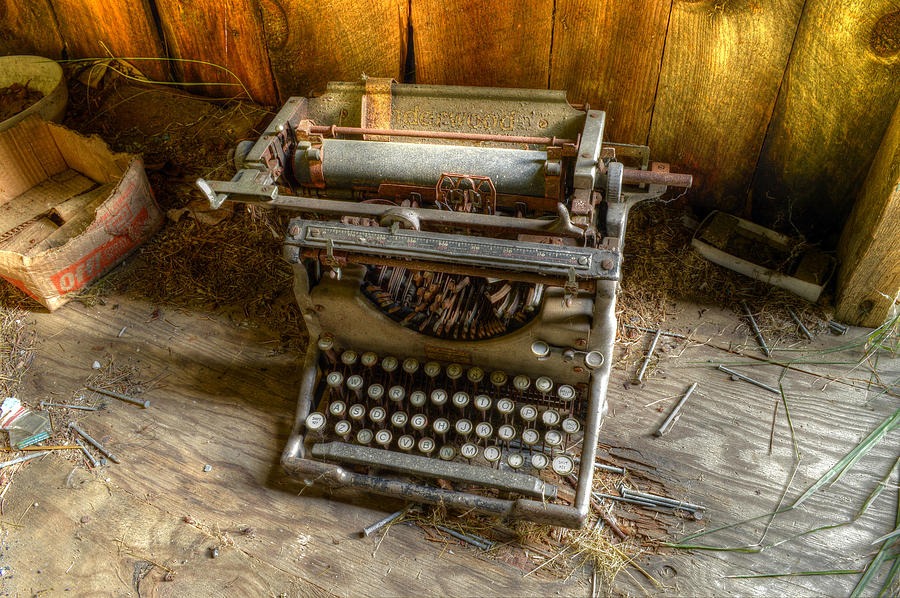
(876, 491)
(797, 574)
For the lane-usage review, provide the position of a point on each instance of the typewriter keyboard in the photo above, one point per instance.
(449, 412)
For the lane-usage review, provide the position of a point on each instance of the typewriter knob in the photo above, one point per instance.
(482, 403)
(515, 460)
(364, 436)
(342, 429)
(552, 438)
(357, 411)
(337, 408)
(530, 437)
(426, 445)
(468, 450)
(460, 400)
(325, 342)
(539, 461)
(410, 365)
(406, 442)
(593, 359)
(439, 396)
(349, 357)
(528, 413)
(418, 422)
(506, 432)
(521, 383)
(454, 371)
(563, 465)
(389, 364)
(492, 454)
(484, 430)
(565, 392)
(550, 417)
(377, 415)
(475, 375)
(334, 379)
(447, 452)
(315, 422)
(417, 398)
(543, 384)
(375, 392)
(355, 383)
(570, 425)
(399, 419)
(396, 394)
(432, 369)
(368, 359)
(383, 437)
(441, 426)
(498, 378)
(463, 427)
(505, 406)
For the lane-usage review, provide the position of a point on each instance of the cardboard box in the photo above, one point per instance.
(70, 209)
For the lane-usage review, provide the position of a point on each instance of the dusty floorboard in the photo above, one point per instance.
(225, 399)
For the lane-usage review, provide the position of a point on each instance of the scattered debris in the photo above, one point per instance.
(207, 468)
(214, 553)
(368, 531)
(837, 327)
(117, 395)
(676, 412)
(17, 97)
(93, 442)
(87, 453)
(23, 459)
(46, 404)
(96, 365)
(800, 324)
(759, 337)
(640, 374)
(740, 376)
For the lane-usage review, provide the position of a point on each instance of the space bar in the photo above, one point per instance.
(522, 483)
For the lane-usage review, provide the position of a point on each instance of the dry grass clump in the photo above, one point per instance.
(16, 349)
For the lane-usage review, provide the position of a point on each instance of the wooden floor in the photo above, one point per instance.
(225, 399)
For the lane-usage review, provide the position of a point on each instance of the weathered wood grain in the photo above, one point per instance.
(126, 29)
(608, 54)
(721, 69)
(468, 42)
(312, 43)
(840, 89)
(29, 28)
(869, 278)
(226, 34)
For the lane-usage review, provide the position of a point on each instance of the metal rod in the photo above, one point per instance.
(625, 499)
(664, 333)
(464, 537)
(368, 531)
(23, 459)
(93, 442)
(81, 407)
(335, 130)
(676, 412)
(661, 499)
(86, 453)
(759, 336)
(800, 325)
(119, 396)
(597, 465)
(640, 375)
(748, 379)
(837, 327)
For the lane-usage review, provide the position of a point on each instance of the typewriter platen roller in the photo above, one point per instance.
(456, 255)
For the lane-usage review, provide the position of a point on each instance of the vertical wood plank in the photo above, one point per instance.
(472, 42)
(312, 43)
(721, 70)
(840, 89)
(608, 54)
(125, 27)
(29, 28)
(869, 279)
(227, 34)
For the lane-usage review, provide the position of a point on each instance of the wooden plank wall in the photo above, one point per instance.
(772, 104)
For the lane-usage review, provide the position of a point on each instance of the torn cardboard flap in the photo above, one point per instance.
(70, 209)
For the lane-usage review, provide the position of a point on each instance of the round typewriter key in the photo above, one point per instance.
(528, 413)
(553, 438)
(364, 436)
(565, 392)
(468, 450)
(460, 400)
(383, 437)
(417, 398)
(342, 428)
(432, 369)
(377, 415)
(498, 378)
(539, 461)
(463, 427)
(475, 375)
(550, 417)
(540, 349)
(426, 445)
(355, 383)
(492, 454)
(530, 437)
(357, 411)
(389, 364)
(521, 383)
(375, 392)
(315, 422)
(406, 442)
(505, 406)
(515, 460)
(593, 359)
(563, 465)
(440, 426)
(399, 419)
(418, 422)
(570, 425)
(396, 394)
(543, 384)
(349, 357)
(482, 402)
(447, 452)
(368, 359)
(506, 433)
(454, 371)
(325, 342)
(410, 365)
(337, 408)
(334, 379)
(484, 430)
(439, 396)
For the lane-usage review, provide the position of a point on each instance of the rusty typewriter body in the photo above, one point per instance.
(456, 254)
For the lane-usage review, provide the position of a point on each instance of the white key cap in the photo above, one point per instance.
(349, 357)
(432, 369)
(475, 375)
(438, 396)
(315, 422)
(410, 365)
(334, 379)
(383, 437)
(368, 359)
(492, 454)
(482, 402)
(553, 438)
(325, 342)
(515, 460)
(342, 428)
(364, 436)
(550, 417)
(399, 419)
(543, 384)
(506, 433)
(570, 425)
(530, 437)
(505, 406)
(426, 445)
(337, 408)
(418, 422)
(389, 364)
(498, 378)
(539, 461)
(447, 452)
(377, 415)
(441, 426)
(406, 442)
(563, 465)
(521, 383)
(357, 411)
(463, 427)
(528, 413)
(468, 450)
(565, 392)
(396, 394)
(460, 400)
(417, 398)
(454, 371)
(375, 392)
(484, 430)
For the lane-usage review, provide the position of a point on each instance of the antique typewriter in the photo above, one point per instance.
(456, 252)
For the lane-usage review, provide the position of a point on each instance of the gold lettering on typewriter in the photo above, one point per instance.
(466, 120)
